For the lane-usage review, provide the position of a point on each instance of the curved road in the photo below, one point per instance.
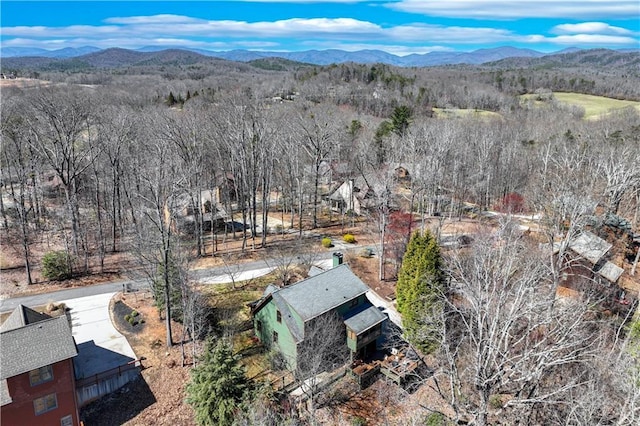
(210, 275)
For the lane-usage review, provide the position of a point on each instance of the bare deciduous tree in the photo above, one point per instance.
(323, 350)
(506, 340)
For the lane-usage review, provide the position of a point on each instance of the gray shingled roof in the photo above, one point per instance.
(364, 320)
(22, 316)
(35, 345)
(323, 292)
(590, 246)
(611, 272)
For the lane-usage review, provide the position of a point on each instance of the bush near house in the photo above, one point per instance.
(349, 238)
(326, 242)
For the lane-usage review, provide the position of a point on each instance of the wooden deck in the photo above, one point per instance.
(365, 372)
(398, 367)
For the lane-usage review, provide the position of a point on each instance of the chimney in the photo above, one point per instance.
(337, 259)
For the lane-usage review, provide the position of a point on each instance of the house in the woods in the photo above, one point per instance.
(37, 384)
(590, 270)
(593, 249)
(205, 207)
(353, 195)
(283, 317)
(365, 193)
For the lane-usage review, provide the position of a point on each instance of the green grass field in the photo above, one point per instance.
(459, 113)
(594, 106)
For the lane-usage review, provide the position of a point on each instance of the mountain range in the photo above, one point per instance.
(315, 57)
(612, 61)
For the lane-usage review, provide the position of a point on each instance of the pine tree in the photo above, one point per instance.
(420, 290)
(400, 119)
(171, 100)
(218, 386)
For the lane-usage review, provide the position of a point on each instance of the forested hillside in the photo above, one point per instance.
(110, 152)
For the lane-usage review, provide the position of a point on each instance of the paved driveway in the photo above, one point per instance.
(100, 346)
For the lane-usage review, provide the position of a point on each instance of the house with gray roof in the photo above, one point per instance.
(283, 317)
(594, 249)
(37, 382)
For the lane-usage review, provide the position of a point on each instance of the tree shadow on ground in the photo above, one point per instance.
(120, 406)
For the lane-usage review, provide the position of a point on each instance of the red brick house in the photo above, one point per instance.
(37, 383)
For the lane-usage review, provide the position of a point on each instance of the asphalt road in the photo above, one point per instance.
(7, 305)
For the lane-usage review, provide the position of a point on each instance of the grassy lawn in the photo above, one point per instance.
(594, 106)
(230, 307)
(459, 113)
(231, 302)
(232, 312)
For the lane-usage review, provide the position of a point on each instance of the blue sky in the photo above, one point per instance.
(397, 26)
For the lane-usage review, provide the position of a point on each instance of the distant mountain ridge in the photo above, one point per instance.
(316, 57)
(67, 52)
(115, 57)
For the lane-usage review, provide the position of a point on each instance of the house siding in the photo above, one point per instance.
(21, 410)
(347, 306)
(286, 343)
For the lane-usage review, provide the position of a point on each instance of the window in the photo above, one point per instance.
(66, 421)
(40, 375)
(354, 302)
(278, 316)
(259, 326)
(275, 337)
(44, 404)
(351, 334)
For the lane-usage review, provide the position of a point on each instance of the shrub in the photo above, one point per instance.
(127, 318)
(358, 421)
(134, 313)
(56, 265)
(435, 419)
(326, 242)
(495, 402)
(366, 252)
(349, 238)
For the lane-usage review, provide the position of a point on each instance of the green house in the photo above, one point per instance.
(283, 317)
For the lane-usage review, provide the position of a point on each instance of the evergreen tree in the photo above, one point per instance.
(384, 129)
(218, 386)
(171, 100)
(420, 290)
(400, 119)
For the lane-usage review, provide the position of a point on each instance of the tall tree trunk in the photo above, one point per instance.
(381, 255)
(167, 294)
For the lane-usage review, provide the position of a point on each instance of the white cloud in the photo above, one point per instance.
(153, 19)
(70, 31)
(589, 28)
(157, 25)
(500, 9)
(305, 33)
(449, 35)
(593, 39)
(128, 43)
(295, 28)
